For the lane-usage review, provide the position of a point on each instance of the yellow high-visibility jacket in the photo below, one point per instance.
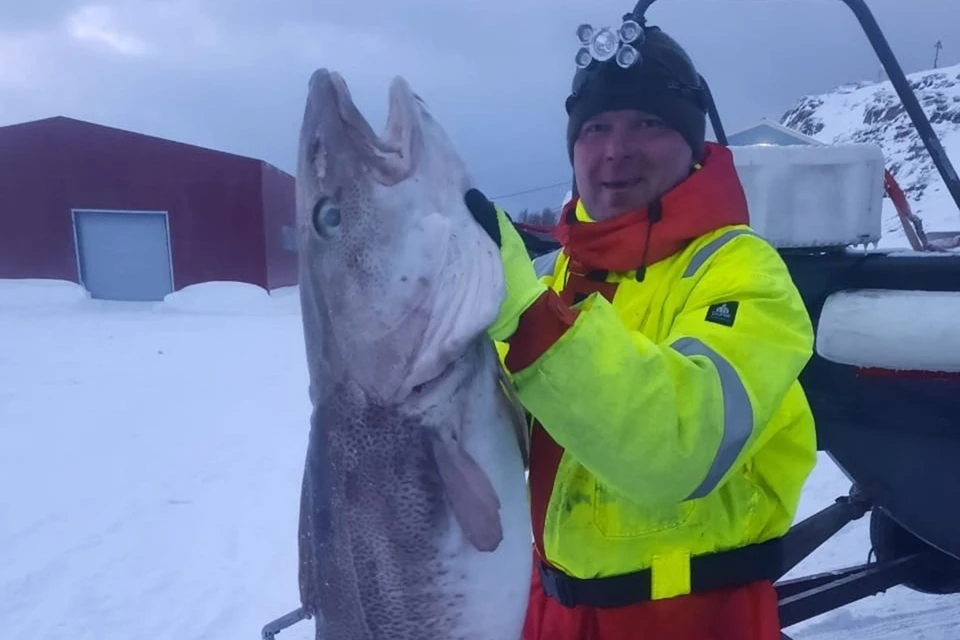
(684, 428)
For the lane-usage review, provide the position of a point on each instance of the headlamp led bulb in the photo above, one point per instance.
(605, 44)
(627, 56)
(629, 31)
(584, 58)
(585, 33)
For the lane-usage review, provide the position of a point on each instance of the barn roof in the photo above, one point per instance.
(60, 121)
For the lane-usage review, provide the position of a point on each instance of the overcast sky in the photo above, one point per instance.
(231, 74)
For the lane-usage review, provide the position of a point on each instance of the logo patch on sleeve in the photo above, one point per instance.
(722, 313)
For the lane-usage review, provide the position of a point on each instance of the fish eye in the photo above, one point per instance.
(326, 216)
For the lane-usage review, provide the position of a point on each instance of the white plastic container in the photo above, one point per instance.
(809, 196)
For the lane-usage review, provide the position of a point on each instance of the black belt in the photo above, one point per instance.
(734, 568)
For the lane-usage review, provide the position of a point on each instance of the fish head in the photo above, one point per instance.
(388, 249)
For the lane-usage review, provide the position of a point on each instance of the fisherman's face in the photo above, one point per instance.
(623, 160)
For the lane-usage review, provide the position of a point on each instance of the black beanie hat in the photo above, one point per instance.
(664, 82)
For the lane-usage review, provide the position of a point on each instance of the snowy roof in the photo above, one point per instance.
(771, 125)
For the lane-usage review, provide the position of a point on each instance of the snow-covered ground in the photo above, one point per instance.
(150, 459)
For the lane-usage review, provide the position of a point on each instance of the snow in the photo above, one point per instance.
(871, 328)
(871, 112)
(150, 464)
(150, 459)
(37, 295)
(231, 298)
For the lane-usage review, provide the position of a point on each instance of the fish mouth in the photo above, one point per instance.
(338, 125)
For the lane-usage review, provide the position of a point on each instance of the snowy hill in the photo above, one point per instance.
(871, 112)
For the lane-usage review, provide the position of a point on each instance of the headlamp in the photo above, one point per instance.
(605, 43)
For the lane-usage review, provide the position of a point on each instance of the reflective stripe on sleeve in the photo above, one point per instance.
(737, 414)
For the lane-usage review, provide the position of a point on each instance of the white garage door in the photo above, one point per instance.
(124, 255)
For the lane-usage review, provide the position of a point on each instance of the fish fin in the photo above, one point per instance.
(518, 415)
(465, 290)
(471, 495)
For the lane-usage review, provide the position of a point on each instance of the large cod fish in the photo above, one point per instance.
(414, 522)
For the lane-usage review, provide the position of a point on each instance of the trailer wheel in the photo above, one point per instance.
(938, 573)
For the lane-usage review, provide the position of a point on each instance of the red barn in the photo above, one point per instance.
(135, 217)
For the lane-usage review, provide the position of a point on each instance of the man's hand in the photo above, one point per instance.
(523, 287)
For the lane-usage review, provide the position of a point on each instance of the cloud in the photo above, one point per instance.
(16, 63)
(231, 74)
(98, 24)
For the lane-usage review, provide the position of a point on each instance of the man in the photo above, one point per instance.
(658, 356)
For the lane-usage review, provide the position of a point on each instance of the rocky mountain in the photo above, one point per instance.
(872, 112)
